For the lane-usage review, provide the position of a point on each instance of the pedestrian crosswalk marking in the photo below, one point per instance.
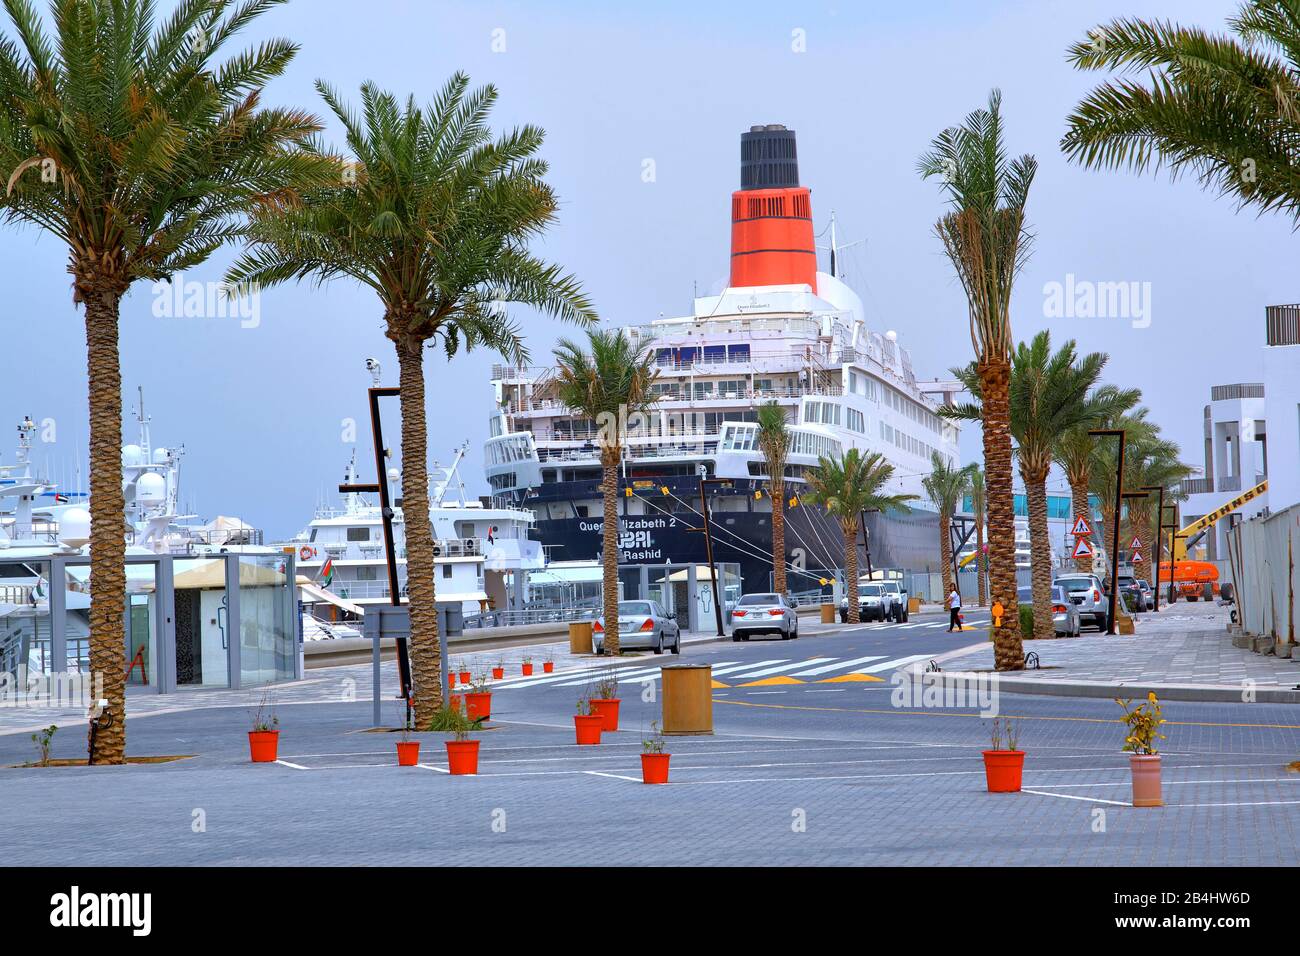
(739, 669)
(718, 683)
(787, 665)
(891, 665)
(847, 678)
(814, 671)
(770, 681)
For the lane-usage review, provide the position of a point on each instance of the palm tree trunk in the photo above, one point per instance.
(995, 379)
(609, 459)
(1079, 502)
(107, 507)
(850, 529)
(426, 651)
(945, 551)
(1040, 553)
(778, 536)
(981, 562)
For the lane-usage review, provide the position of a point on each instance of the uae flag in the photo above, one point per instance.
(326, 575)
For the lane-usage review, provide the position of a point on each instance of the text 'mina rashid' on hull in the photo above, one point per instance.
(781, 331)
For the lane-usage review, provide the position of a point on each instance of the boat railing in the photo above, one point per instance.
(548, 615)
(693, 397)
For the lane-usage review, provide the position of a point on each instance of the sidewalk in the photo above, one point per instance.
(1183, 653)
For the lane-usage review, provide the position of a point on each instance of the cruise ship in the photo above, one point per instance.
(780, 331)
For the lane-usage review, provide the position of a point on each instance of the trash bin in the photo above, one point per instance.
(688, 699)
(913, 605)
(828, 613)
(580, 637)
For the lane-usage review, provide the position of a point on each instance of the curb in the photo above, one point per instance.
(1219, 693)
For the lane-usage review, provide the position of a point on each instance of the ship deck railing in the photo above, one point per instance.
(554, 407)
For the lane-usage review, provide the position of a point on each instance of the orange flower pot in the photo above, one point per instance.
(408, 753)
(498, 673)
(1146, 780)
(588, 728)
(478, 705)
(608, 709)
(528, 670)
(462, 757)
(451, 678)
(466, 677)
(1002, 769)
(548, 666)
(263, 745)
(654, 768)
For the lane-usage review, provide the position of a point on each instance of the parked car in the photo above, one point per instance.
(1148, 595)
(1065, 616)
(1086, 593)
(872, 603)
(642, 625)
(898, 603)
(764, 614)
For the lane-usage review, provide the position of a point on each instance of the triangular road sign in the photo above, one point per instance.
(1135, 544)
(1082, 549)
(1081, 528)
(1137, 557)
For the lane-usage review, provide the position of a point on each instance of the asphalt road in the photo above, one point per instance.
(809, 764)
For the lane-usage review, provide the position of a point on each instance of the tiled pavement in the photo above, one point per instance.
(1186, 644)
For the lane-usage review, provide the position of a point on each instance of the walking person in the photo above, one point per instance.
(954, 610)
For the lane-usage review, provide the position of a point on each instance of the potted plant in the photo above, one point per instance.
(527, 666)
(478, 699)
(465, 676)
(1003, 764)
(408, 750)
(499, 670)
(548, 665)
(604, 700)
(264, 738)
(42, 740)
(587, 724)
(654, 762)
(462, 752)
(1144, 722)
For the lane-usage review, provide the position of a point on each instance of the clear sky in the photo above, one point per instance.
(616, 84)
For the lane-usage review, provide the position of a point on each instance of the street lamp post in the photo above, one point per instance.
(1130, 495)
(1160, 518)
(708, 542)
(1119, 504)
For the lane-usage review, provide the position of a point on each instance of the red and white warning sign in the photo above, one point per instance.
(1082, 549)
(1081, 528)
(1137, 557)
(1135, 544)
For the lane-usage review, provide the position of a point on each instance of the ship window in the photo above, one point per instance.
(313, 535)
(688, 356)
(714, 354)
(367, 572)
(358, 534)
(664, 356)
(703, 390)
(738, 353)
(446, 570)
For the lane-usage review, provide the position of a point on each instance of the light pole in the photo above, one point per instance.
(1160, 518)
(1119, 504)
(1129, 495)
(708, 541)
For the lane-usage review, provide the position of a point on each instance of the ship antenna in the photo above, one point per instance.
(834, 250)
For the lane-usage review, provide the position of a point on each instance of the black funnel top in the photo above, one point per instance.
(768, 158)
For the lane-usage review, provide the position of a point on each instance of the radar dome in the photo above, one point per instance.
(160, 456)
(132, 456)
(891, 335)
(74, 527)
(151, 489)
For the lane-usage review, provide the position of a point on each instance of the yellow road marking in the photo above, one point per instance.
(845, 678)
(770, 681)
(718, 683)
(945, 713)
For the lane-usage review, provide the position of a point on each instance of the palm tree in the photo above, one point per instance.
(846, 487)
(434, 216)
(978, 507)
(985, 238)
(1074, 454)
(774, 443)
(610, 384)
(135, 148)
(1222, 107)
(1050, 394)
(947, 485)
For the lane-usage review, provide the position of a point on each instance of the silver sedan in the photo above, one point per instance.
(1065, 616)
(642, 625)
(764, 614)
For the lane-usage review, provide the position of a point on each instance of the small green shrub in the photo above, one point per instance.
(1026, 621)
